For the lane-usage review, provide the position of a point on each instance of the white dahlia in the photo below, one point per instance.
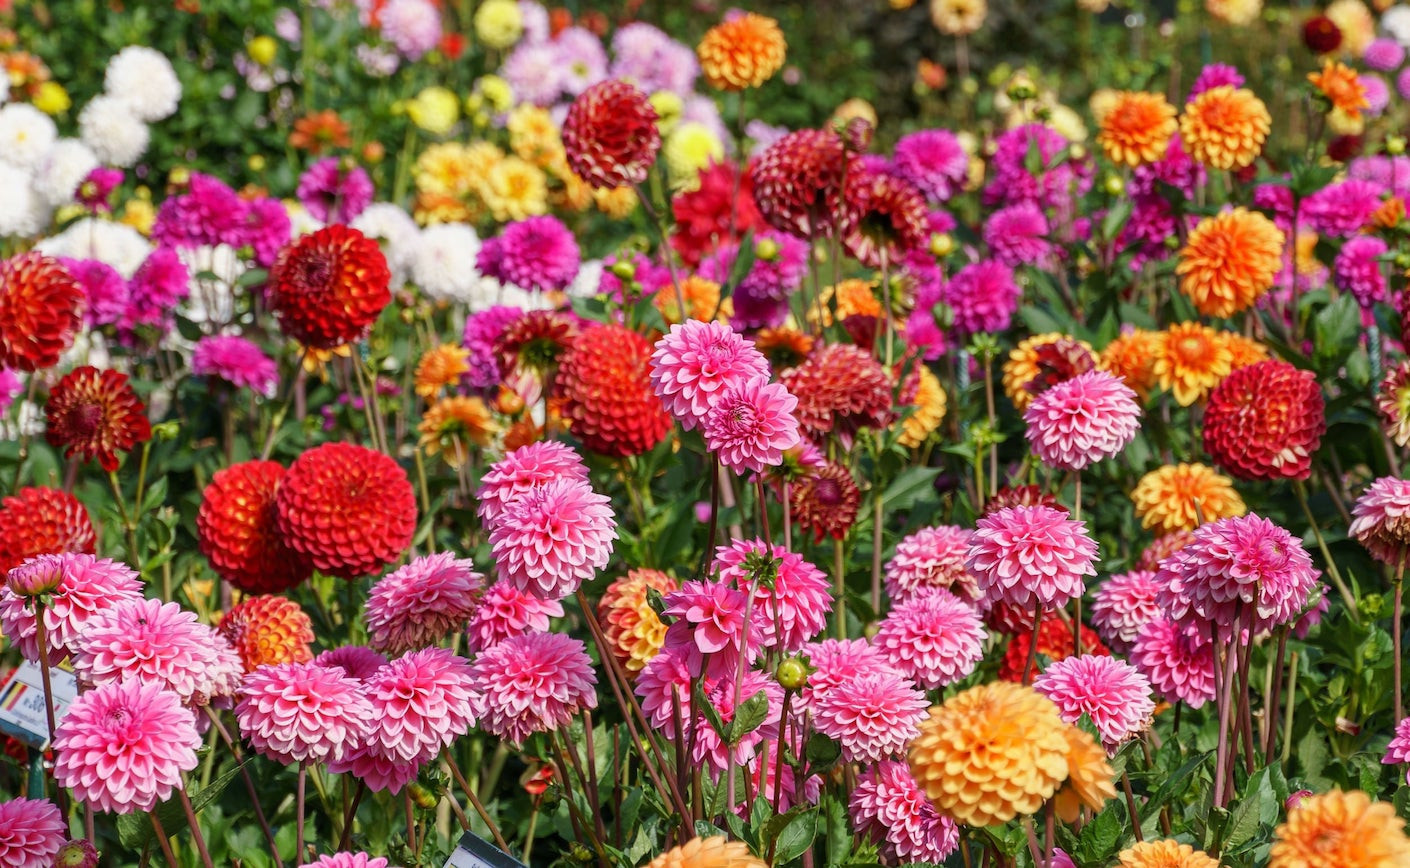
(63, 169)
(116, 135)
(144, 79)
(26, 135)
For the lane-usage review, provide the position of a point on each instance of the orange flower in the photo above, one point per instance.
(1340, 84)
(1132, 358)
(716, 851)
(851, 297)
(1165, 854)
(1190, 360)
(267, 630)
(1088, 776)
(320, 131)
(1137, 128)
(1341, 830)
(634, 631)
(784, 347)
(441, 366)
(1246, 351)
(1229, 260)
(741, 52)
(1225, 127)
(1390, 213)
(1178, 496)
(453, 424)
(702, 300)
(1058, 354)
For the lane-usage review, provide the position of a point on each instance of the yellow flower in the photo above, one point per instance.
(440, 366)
(669, 109)
(140, 214)
(52, 99)
(1176, 496)
(689, 149)
(1190, 360)
(1229, 260)
(634, 631)
(262, 50)
(499, 23)
(315, 360)
(1341, 830)
(534, 136)
(741, 52)
(1235, 12)
(435, 110)
(958, 17)
(453, 424)
(1022, 365)
(617, 202)
(851, 297)
(702, 299)
(1357, 25)
(1165, 854)
(496, 91)
(1245, 351)
(515, 189)
(1088, 776)
(929, 409)
(570, 192)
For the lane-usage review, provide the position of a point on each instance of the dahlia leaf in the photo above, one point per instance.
(1097, 843)
(135, 829)
(748, 717)
(909, 488)
(792, 834)
(1259, 806)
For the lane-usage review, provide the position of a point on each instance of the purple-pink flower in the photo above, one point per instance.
(347, 860)
(421, 702)
(506, 611)
(1115, 696)
(238, 362)
(934, 639)
(1359, 271)
(423, 602)
(983, 297)
(533, 683)
(1017, 235)
(553, 538)
(1341, 209)
(1398, 751)
(1122, 605)
(834, 661)
(333, 192)
(1030, 555)
(538, 253)
(1214, 75)
(751, 424)
(106, 294)
(1381, 520)
(1081, 421)
(358, 661)
(1177, 661)
(696, 363)
(793, 606)
(934, 161)
(1383, 55)
(31, 832)
(86, 586)
(932, 558)
(710, 748)
(523, 470)
(711, 627)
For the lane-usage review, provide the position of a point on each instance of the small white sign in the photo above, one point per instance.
(22, 703)
(475, 852)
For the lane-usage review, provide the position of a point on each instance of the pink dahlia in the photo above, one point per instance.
(1016, 235)
(238, 362)
(888, 807)
(1341, 209)
(1083, 420)
(423, 602)
(148, 640)
(374, 766)
(930, 559)
(86, 586)
(936, 163)
(538, 253)
(421, 702)
(358, 661)
(1237, 573)
(1177, 661)
(712, 750)
(1111, 692)
(554, 538)
(834, 661)
(712, 627)
(934, 639)
(752, 424)
(123, 746)
(983, 296)
(1398, 751)
(1382, 519)
(333, 193)
(523, 470)
(871, 716)
(698, 362)
(1027, 555)
(793, 606)
(533, 683)
(662, 677)
(32, 831)
(506, 611)
(347, 860)
(1122, 604)
(303, 712)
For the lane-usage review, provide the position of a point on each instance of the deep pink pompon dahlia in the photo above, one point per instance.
(713, 626)
(1122, 604)
(934, 639)
(834, 661)
(522, 470)
(696, 363)
(751, 425)
(303, 712)
(423, 602)
(506, 611)
(86, 586)
(554, 538)
(1029, 554)
(871, 716)
(1381, 519)
(931, 558)
(421, 702)
(1178, 662)
(888, 807)
(1111, 692)
(795, 609)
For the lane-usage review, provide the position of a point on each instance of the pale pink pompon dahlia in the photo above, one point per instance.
(1111, 692)
(421, 702)
(303, 712)
(506, 611)
(834, 661)
(871, 716)
(1083, 420)
(751, 425)
(1122, 604)
(534, 683)
(1381, 520)
(423, 602)
(930, 558)
(553, 538)
(934, 639)
(1025, 555)
(31, 832)
(86, 585)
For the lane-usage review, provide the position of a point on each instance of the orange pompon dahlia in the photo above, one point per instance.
(1342, 87)
(1265, 421)
(1165, 854)
(1225, 127)
(743, 51)
(39, 305)
(1230, 260)
(268, 630)
(784, 347)
(851, 297)
(452, 425)
(320, 131)
(440, 367)
(42, 521)
(702, 300)
(1137, 128)
(350, 510)
(923, 395)
(95, 414)
(1190, 360)
(1131, 358)
(991, 753)
(1340, 830)
(1246, 351)
(237, 529)
(610, 135)
(841, 389)
(825, 501)
(1088, 781)
(715, 851)
(328, 287)
(1390, 213)
(605, 380)
(1042, 361)
(633, 628)
(1184, 496)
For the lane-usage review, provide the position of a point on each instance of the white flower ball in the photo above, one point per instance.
(63, 169)
(116, 135)
(26, 135)
(144, 79)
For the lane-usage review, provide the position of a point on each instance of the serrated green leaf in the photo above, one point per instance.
(1097, 843)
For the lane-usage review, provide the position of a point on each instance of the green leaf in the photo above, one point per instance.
(1115, 219)
(1097, 843)
(1175, 782)
(135, 829)
(821, 751)
(1335, 329)
(712, 716)
(795, 837)
(1258, 806)
(837, 833)
(910, 487)
(748, 717)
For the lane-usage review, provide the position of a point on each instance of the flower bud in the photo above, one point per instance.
(767, 249)
(35, 577)
(791, 674)
(262, 50)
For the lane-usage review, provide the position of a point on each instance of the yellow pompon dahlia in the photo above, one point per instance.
(454, 424)
(452, 169)
(715, 851)
(1176, 496)
(1356, 23)
(991, 753)
(435, 109)
(515, 189)
(1225, 127)
(1246, 351)
(1089, 776)
(1136, 128)
(1165, 854)
(1342, 87)
(1132, 358)
(741, 52)
(617, 202)
(1053, 355)
(440, 367)
(702, 300)
(632, 627)
(1229, 260)
(534, 137)
(499, 23)
(851, 297)
(689, 149)
(1341, 830)
(929, 403)
(958, 17)
(1190, 360)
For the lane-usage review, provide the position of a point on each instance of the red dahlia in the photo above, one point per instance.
(798, 182)
(610, 135)
(1265, 421)
(1058, 361)
(1321, 34)
(42, 521)
(841, 389)
(238, 531)
(1054, 642)
(605, 381)
(530, 348)
(884, 213)
(329, 286)
(268, 630)
(1021, 495)
(719, 211)
(825, 501)
(95, 414)
(39, 311)
(348, 509)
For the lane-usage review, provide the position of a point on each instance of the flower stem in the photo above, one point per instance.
(42, 640)
(195, 827)
(1332, 571)
(476, 803)
(1395, 633)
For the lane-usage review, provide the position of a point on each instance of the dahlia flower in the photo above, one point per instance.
(712, 628)
(841, 389)
(825, 501)
(793, 606)
(421, 702)
(798, 182)
(610, 135)
(328, 287)
(32, 831)
(506, 611)
(533, 683)
(634, 631)
(268, 630)
(934, 639)
(1177, 496)
(871, 716)
(1381, 519)
(95, 414)
(888, 807)
(1398, 751)
(1029, 555)
(39, 521)
(931, 558)
(238, 362)
(1122, 604)
(537, 253)
(715, 851)
(1083, 420)
(1137, 128)
(148, 640)
(422, 603)
(934, 161)
(1190, 361)
(522, 470)
(1229, 261)
(605, 382)
(85, 587)
(833, 661)
(303, 712)
(553, 538)
(1178, 661)
(1224, 127)
(333, 193)
(696, 363)
(743, 51)
(1112, 693)
(1343, 829)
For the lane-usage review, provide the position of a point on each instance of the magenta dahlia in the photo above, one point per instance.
(699, 361)
(793, 606)
(1081, 421)
(554, 538)
(32, 831)
(662, 677)
(358, 661)
(888, 807)
(347, 860)
(423, 602)
(85, 586)
(714, 625)
(871, 716)
(932, 558)
(1115, 696)
(1398, 751)
(934, 639)
(834, 661)
(303, 712)
(1027, 555)
(533, 683)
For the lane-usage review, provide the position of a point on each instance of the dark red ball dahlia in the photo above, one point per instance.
(610, 135)
(825, 501)
(798, 183)
(329, 286)
(1265, 421)
(605, 381)
(350, 510)
(42, 521)
(95, 414)
(841, 389)
(237, 528)
(884, 213)
(1321, 35)
(39, 311)
(1021, 495)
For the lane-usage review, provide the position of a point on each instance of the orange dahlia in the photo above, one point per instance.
(1245, 351)
(851, 297)
(784, 347)
(1190, 360)
(42, 521)
(715, 851)
(1229, 260)
(453, 424)
(633, 628)
(925, 398)
(1044, 360)
(1088, 781)
(1390, 213)
(1225, 127)
(350, 510)
(605, 380)
(237, 530)
(95, 414)
(440, 367)
(1265, 421)
(1136, 128)
(328, 287)
(1131, 357)
(1342, 87)
(702, 300)
(39, 304)
(1176, 496)
(1340, 830)
(267, 630)
(1165, 854)
(991, 753)
(742, 51)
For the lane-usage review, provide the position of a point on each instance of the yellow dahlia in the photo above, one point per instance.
(1136, 128)
(702, 300)
(1165, 854)
(741, 52)
(567, 190)
(1023, 365)
(1230, 260)
(515, 189)
(1246, 351)
(1190, 360)
(1341, 830)
(928, 411)
(716, 851)
(689, 149)
(441, 366)
(991, 753)
(1225, 127)
(958, 17)
(1342, 87)
(633, 629)
(1132, 358)
(533, 136)
(852, 297)
(1089, 776)
(453, 424)
(1166, 498)
(1235, 12)
(452, 168)
(1354, 20)
(617, 202)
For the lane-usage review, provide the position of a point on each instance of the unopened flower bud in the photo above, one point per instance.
(1395, 145)
(76, 854)
(35, 577)
(941, 244)
(623, 269)
(791, 674)
(1114, 185)
(767, 249)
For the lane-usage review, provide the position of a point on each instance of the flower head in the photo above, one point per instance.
(1225, 127)
(888, 807)
(1176, 660)
(454, 424)
(39, 311)
(693, 365)
(1088, 781)
(333, 193)
(1343, 829)
(1029, 555)
(1265, 421)
(1122, 605)
(931, 558)
(423, 602)
(1112, 693)
(793, 603)
(934, 639)
(934, 161)
(834, 661)
(1341, 86)
(1165, 854)
(358, 661)
(610, 135)
(1190, 360)
(554, 538)
(84, 587)
(347, 860)
(1042, 361)
(535, 253)
(506, 611)
(1381, 520)
(268, 630)
(825, 501)
(752, 425)
(1393, 403)
(798, 182)
(713, 627)
(95, 414)
(884, 216)
(303, 712)
(872, 717)
(421, 702)
(238, 362)
(1398, 751)
(522, 470)
(148, 640)
(1182, 496)
(328, 287)
(532, 683)
(41, 521)
(608, 401)
(237, 530)
(1229, 260)
(1137, 128)
(715, 851)
(32, 831)
(1082, 420)
(633, 629)
(841, 389)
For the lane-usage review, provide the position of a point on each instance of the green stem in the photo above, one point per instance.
(1332, 571)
